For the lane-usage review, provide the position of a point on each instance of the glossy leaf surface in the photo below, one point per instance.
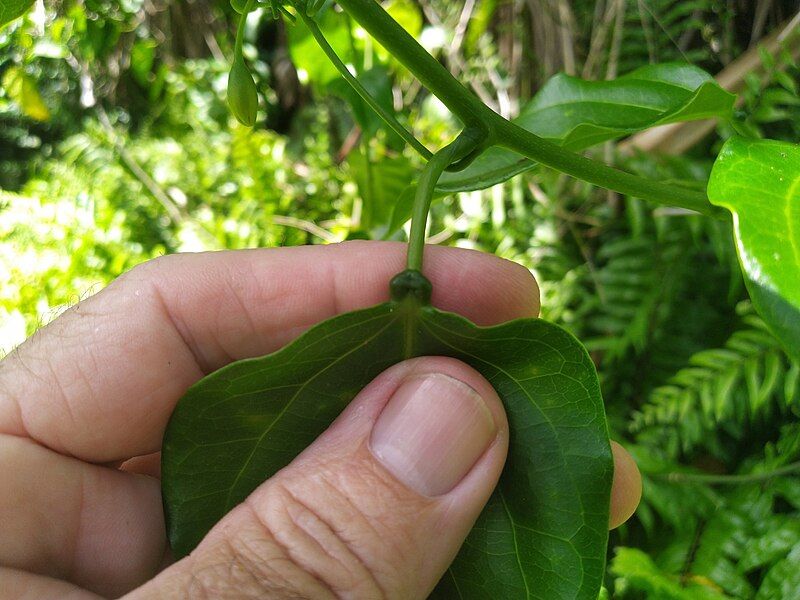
(545, 529)
(578, 114)
(11, 9)
(759, 182)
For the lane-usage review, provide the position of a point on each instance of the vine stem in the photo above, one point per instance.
(432, 74)
(237, 49)
(497, 130)
(728, 479)
(462, 146)
(512, 136)
(360, 89)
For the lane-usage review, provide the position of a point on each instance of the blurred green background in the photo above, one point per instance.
(116, 146)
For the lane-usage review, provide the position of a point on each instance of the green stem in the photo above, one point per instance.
(237, 49)
(462, 146)
(728, 479)
(369, 201)
(498, 130)
(522, 141)
(360, 89)
(371, 16)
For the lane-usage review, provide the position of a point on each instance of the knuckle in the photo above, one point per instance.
(312, 541)
(347, 525)
(247, 566)
(336, 534)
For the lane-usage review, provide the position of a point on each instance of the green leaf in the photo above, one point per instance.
(379, 184)
(543, 533)
(782, 580)
(578, 114)
(408, 15)
(637, 571)
(379, 84)
(21, 88)
(11, 9)
(143, 54)
(481, 20)
(759, 182)
(309, 58)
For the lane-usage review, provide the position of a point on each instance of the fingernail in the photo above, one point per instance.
(431, 432)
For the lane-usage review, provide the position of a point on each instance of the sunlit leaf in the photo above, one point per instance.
(21, 88)
(637, 571)
(545, 529)
(408, 15)
(309, 58)
(759, 182)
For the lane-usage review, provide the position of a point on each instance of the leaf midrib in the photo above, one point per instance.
(294, 397)
(550, 424)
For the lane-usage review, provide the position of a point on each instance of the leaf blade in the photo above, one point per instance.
(578, 114)
(534, 366)
(11, 9)
(759, 182)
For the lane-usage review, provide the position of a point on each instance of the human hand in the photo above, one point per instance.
(377, 507)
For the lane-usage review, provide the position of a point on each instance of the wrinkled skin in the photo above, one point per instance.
(84, 404)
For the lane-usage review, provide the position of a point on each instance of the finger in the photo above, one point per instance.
(378, 506)
(100, 382)
(96, 527)
(626, 490)
(20, 585)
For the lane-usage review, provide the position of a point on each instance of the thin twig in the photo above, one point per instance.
(307, 226)
(728, 479)
(457, 64)
(173, 210)
(566, 22)
(438, 238)
(461, 27)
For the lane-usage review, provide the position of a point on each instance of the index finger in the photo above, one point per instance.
(100, 382)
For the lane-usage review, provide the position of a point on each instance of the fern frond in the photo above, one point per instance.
(724, 391)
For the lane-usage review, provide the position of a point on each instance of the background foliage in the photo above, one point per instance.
(116, 146)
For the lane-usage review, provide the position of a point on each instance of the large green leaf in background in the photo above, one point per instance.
(759, 182)
(578, 114)
(379, 84)
(544, 532)
(380, 183)
(306, 54)
(11, 9)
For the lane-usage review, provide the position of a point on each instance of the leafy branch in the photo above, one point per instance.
(473, 113)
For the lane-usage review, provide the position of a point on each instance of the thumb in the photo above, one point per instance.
(376, 507)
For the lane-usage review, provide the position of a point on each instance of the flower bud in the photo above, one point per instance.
(242, 93)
